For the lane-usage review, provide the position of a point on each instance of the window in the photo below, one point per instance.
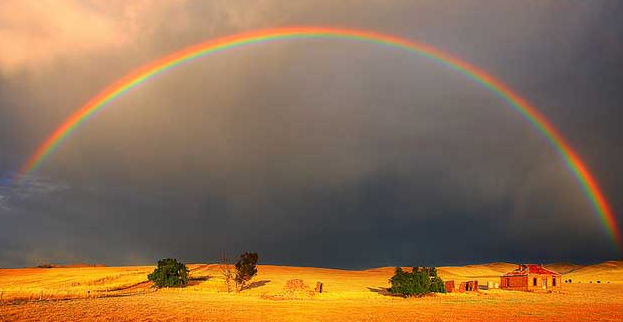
(554, 281)
(534, 281)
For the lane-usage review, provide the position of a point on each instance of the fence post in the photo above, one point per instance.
(318, 287)
(40, 295)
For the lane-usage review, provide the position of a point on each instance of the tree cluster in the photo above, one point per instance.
(420, 281)
(169, 273)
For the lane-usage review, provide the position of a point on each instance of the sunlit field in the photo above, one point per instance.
(123, 293)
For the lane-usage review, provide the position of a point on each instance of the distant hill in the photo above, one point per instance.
(610, 271)
(564, 268)
(482, 272)
(502, 268)
(78, 265)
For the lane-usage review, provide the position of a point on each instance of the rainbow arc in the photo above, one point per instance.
(521, 105)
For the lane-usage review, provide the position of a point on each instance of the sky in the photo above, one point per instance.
(315, 152)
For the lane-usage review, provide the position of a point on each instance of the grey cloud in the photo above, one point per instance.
(26, 189)
(319, 152)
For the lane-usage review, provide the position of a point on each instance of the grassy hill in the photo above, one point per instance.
(123, 293)
(610, 271)
(563, 268)
(72, 282)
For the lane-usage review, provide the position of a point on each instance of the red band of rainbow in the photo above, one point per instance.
(132, 80)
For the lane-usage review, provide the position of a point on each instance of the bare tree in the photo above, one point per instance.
(229, 273)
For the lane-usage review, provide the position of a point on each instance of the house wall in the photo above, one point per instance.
(526, 283)
(539, 282)
(518, 283)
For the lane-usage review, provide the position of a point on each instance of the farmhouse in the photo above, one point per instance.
(530, 277)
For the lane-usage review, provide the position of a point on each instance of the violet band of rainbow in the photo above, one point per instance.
(530, 113)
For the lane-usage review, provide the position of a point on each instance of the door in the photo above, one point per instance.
(544, 283)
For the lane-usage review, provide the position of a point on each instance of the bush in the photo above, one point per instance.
(169, 273)
(246, 268)
(420, 281)
(296, 288)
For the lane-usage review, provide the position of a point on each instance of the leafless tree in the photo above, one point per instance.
(229, 273)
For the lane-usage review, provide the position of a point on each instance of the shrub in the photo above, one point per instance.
(169, 273)
(296, 288)
(246, 268)
(420, 281)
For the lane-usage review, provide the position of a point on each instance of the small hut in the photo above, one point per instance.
(531, 277)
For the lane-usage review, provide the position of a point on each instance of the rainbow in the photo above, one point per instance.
(144, 73)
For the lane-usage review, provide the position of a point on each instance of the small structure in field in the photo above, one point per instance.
(468, 286)
(531, 277)
(449, 286)
(319, 287)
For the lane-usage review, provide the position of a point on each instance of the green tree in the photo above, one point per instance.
(169, 273)
(401, 282)
(246, 268)
(420, 281)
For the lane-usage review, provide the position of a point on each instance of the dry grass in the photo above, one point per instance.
(70, 283)
(348, 296)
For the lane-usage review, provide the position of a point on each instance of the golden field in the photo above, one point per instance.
(122, 293)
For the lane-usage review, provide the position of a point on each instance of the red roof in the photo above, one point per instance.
(525, 269)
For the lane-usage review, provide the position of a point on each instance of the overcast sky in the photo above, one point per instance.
(310, 152)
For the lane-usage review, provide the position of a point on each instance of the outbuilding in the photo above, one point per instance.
(531, 277)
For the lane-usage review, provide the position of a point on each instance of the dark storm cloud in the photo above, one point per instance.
(314, 152)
